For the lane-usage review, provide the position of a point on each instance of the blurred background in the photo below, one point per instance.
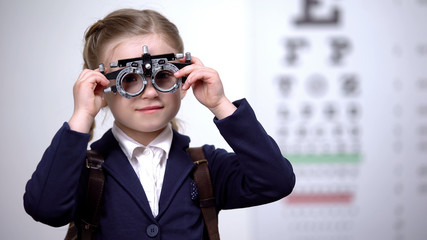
(341, 85)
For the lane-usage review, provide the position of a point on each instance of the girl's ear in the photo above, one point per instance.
(104, 102)
(183, 93)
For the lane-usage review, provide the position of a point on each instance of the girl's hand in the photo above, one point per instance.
(207, 88)
(88, 95)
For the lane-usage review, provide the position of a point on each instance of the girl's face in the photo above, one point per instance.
(143, 117)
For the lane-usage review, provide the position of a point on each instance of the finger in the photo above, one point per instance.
(205, 75)
(104, 81)
(186, 71)
(90, 79)
(95, 76)
(83, 75)
(195, 60)
(193, 74)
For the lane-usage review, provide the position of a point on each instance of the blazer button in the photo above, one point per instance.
(152, 230)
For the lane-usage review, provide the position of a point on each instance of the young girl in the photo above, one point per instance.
(147, 168)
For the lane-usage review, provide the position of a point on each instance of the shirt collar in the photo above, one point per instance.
(128, 144)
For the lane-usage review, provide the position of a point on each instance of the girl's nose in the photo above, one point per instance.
(149, 91)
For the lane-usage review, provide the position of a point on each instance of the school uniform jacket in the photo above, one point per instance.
(256, 173)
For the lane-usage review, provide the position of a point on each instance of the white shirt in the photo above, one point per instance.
(149, 162)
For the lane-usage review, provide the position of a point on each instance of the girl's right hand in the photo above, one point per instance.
(88, 92)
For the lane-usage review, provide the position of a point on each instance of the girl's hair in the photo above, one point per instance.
(127, 23)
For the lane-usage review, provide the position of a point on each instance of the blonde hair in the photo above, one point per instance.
(123, 23)
(127, 23)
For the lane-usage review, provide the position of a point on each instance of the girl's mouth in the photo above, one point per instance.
(149, 109)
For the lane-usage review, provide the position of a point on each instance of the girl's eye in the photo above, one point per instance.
(130, 78)
(164, 75)
(132, 83)
(165, 79)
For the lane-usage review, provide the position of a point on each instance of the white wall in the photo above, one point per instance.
(41, 45)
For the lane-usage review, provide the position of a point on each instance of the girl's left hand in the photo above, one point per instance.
(207, 88)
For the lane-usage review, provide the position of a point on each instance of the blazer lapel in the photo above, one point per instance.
(178, 167)
(118, 167)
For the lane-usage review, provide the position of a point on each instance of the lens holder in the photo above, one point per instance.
(135, 71)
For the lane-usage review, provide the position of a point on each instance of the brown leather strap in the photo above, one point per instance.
(72, 232)
(203, 182)
(92, 207)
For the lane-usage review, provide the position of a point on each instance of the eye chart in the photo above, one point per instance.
(342, 86)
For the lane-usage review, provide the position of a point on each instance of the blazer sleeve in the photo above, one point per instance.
(256, 173)
(51, 193)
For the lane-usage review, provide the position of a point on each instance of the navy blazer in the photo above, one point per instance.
(256, 173)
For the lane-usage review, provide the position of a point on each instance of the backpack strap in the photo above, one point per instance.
(92, 206)
(203, 182)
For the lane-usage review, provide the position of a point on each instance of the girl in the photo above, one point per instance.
(147, 169)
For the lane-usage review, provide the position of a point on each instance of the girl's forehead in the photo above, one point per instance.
(131, 47)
